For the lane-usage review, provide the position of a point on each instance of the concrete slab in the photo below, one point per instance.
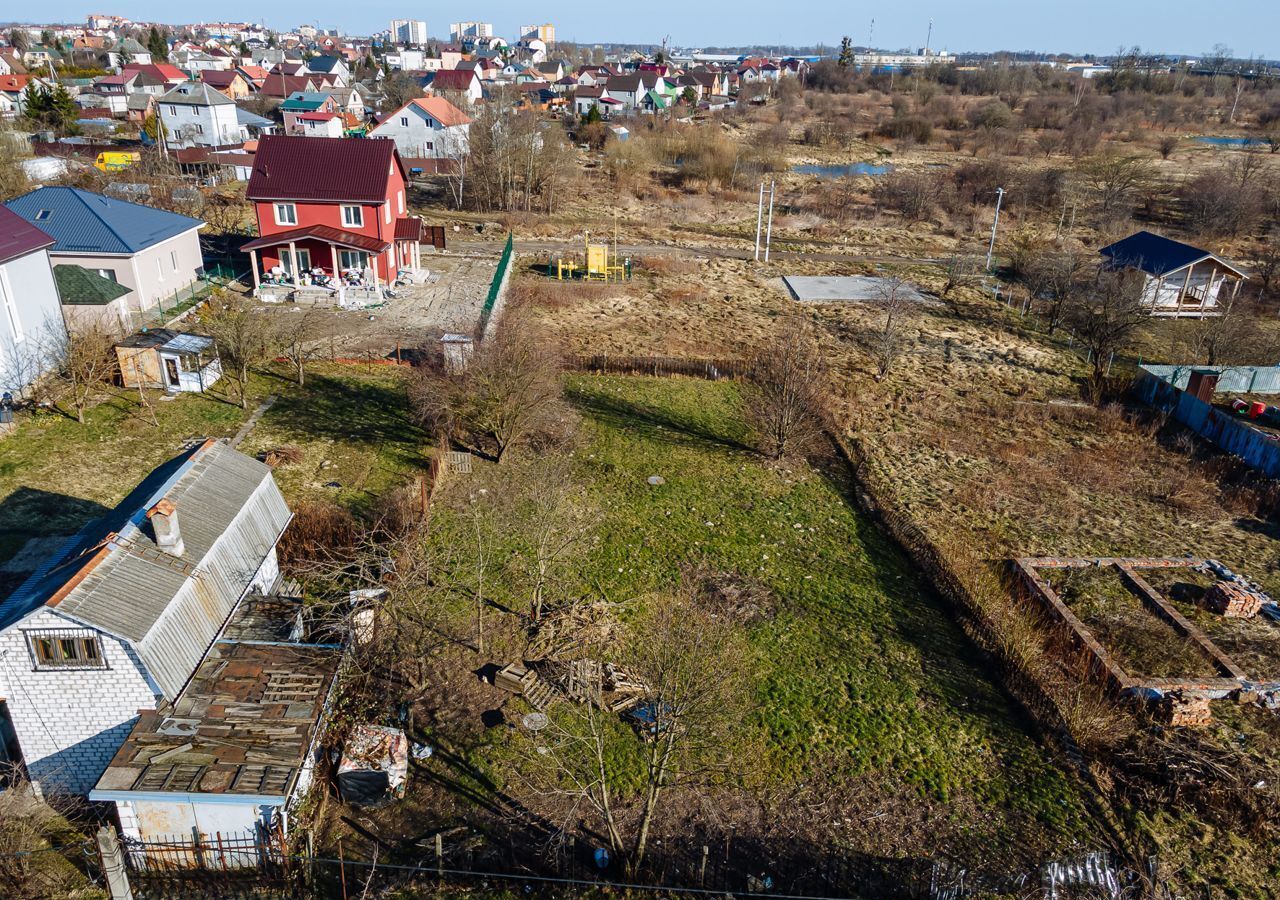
(840, 288)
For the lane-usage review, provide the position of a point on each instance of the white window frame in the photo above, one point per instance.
(404, 121)
(400, 202)
(173, 259)
(386, 211)
(352, 221)
(291, 210)
(160, 268)
(345, 256)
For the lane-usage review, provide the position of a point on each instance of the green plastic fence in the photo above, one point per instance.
(495, 286)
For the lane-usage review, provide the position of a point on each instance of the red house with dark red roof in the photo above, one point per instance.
(330, 208)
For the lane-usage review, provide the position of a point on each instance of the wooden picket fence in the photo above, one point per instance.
(608, 364)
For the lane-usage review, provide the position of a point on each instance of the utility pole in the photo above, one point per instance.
(768, 235)
(760, 221)
(992, 249)
(928, 40)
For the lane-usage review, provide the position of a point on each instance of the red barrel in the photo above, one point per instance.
(1256, 408)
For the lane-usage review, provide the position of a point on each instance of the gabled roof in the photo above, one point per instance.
(220, 78)
(296, 167)
(84, 222)
(283, 85)
(626, 84)
(196, 94)
(77, 286)
(18, 237)
(326, 233)
(437, 108)
(452, 80)
(122, 79)
(14, 84)
(163, 72)
(1157, 255)
(113, 576)
(317, 116)
(324, 63)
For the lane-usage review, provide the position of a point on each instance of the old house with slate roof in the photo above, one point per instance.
(122, 616)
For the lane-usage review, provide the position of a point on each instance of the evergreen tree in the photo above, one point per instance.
(157, 46)
(36, 102)
(846, 52)
(62, 108)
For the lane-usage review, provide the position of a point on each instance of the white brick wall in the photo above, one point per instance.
(70, 723)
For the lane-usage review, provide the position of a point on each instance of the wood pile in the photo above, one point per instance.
(1234, 601)
(1187, 710)
(518, 679)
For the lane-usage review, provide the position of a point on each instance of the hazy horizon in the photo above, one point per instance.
(1176, 27)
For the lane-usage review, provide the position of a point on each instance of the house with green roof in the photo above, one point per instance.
(301, 103)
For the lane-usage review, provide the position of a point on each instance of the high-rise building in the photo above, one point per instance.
(459, 31)
(409, 31)
(544, 33)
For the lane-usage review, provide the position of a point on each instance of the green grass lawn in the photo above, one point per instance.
(867, 673)
(349, 421)
(867, 688)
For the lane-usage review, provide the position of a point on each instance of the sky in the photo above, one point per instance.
(1249, 27)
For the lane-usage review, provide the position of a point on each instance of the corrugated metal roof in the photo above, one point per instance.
(114, 576)
(19, 237)
(295, 167)
(1155, 254)
(81, 221)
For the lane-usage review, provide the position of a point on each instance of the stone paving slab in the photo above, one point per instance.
(841, 288)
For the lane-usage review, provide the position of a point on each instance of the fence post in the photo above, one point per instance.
(440, 857)
(113, 869)
(702, 869)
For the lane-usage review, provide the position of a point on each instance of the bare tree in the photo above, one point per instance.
(300, 339)
(509, 390)
(786, 392)
(1054, 278)
(696, 668)
(243, 338)
(893, 298)
(553, 517)
(86, 364)
(1115, 178)
(1104, 317)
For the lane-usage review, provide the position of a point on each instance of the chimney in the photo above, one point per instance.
(164, 522)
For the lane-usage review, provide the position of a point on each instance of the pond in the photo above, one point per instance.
(1228, 141)
(843, 171)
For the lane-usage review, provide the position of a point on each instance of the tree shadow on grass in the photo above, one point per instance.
(654, 422)
(366, 413)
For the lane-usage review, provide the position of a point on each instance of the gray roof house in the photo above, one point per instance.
(121, 615)
(1180, 280)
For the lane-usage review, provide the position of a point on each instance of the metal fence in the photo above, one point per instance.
(497, 284)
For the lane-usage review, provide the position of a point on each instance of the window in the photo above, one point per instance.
(286, 214)
(43, 214)
(173, 110)
(351, 259)
(109, 274)
(66, 648)
(400, 202)
(199, 128)
(353, 216)
(404, 121)
(386, 211)
(160, 268)
(173, 259)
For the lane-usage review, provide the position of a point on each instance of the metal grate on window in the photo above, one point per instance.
(65, 648)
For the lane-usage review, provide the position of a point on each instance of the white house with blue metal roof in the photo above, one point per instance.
(154, 253)
(120, 617)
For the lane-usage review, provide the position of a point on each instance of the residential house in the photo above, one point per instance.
(426, 128)
(281, 87)
(39, 56)
(140, 106)
(302, 103)
(254, 76)
(164, 74)
(114, 91)
(197, 115)
(333, 204)
(228, 82)
(350, 99)
(11, 62)
(128, 50)
(461, 83)
(13, 93)
(321, 124)
(1179, 280)
(627, 89)
(30, 315)
(198, 61)
(587, 98)
(122, 615)
(152, 252)
(552, 70)
(332, 66)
